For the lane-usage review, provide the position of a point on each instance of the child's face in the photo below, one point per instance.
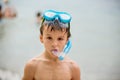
(54, 40)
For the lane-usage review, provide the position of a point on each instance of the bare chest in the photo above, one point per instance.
(53, 72)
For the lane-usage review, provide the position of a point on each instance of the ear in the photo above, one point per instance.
(41, 38)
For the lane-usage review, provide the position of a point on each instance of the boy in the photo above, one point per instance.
(55, 33)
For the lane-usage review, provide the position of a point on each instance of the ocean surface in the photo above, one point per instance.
(95, 29)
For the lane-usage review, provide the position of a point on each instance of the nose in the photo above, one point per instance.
(54, 43)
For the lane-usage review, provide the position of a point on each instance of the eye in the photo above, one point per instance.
(49, 38)
(60, 39)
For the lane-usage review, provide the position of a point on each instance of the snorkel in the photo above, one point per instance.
(66, 50)
(63, 18)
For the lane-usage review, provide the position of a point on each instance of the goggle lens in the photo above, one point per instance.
(64, 17)
(50, 14)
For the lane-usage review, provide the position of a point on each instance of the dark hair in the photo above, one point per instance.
(55, 25)
(38, 14)
(0, 7)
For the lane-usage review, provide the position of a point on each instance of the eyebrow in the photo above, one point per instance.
(50, 35)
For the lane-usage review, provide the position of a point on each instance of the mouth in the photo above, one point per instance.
(55, 52)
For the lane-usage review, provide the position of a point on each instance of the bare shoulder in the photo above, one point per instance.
(29, 69)
(72, 63)
(75, 68)
(31, 63)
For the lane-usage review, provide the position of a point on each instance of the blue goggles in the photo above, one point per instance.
(51, 15)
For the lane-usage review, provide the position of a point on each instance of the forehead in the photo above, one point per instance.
(51, 31)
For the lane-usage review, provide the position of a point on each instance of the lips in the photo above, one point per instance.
(55, 52)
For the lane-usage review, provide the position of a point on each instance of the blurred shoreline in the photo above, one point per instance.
(9, 75)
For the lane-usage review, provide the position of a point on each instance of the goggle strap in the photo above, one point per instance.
(43, 20)
(69, 25)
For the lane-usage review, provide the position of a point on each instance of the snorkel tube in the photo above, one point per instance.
(66, 50)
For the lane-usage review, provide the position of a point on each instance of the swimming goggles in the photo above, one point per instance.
(51, 15)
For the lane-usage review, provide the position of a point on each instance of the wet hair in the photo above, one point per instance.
(55, 25)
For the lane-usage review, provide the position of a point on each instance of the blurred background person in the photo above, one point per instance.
(6, 1)
(38, 18)
(9, 11)
(1, 15)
